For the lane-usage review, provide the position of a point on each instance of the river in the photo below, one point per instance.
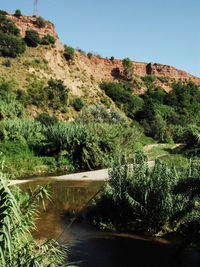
(87, 245)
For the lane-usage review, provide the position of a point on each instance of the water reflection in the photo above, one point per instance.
(86, 244)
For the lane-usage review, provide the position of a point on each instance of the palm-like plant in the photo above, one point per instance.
(17, 247)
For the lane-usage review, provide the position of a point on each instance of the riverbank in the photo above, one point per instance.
(99, 175)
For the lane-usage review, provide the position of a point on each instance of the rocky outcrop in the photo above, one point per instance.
(28, 22)
(102, 68)
(169, 71)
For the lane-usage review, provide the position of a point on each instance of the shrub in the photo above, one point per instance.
(11, 45)
(48, 39)
(149, 78)
(24, 130)
(18, 13)
(7, 63)
(99, 114)
(90, 55)
(138, 198)
(46, 119)
(40, 22)
(69, 52)
(128, 68)
(86, 146)
(2, 12)
(32, 38)
(112, 58)
(78, 104)
(8, 26)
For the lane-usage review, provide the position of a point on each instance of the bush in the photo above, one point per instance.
(18, 13)
(112, 58)
(128, 68)
(90, 55)
(69, 52)
(149, 78)
(11, 45)
(7, 63)
(46, 119)
(8, 26)
(40, 22)
(99, 114)
(32, 38)
(2, 12)
(86, 146)
(78, 104)
(48, 39)
(138, 198)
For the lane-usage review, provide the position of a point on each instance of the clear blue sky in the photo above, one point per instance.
(162, 31)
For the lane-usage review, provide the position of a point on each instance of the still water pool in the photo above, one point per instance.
(87, 245)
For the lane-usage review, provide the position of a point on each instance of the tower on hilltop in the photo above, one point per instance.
(36, 12)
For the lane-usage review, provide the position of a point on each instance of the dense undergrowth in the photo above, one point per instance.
(46, 145)
(154, 200)
(17, 246)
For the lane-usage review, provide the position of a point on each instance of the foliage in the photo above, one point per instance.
(128, 68)
(16, 220)
(89, 55)
(99, 114)
(48, 39)
(26, 131)
(78, 104)
(18, 13)
(69, 52)
(8, 26)
(11, 45)
(9, 107)
(2, 12)
(143, 199)
(149, 78)
(128, 102)
(46, 119)
(86, 146)
(18, 160)
(32, 38)
(112, 58)
(40, 22)
(7, 63)
(55, 94)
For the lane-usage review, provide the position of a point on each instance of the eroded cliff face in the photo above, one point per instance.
(100, 69)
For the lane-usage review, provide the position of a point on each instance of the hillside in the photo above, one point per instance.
(63, 109)
(83, 75)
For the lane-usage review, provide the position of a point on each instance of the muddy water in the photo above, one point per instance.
(88, 246)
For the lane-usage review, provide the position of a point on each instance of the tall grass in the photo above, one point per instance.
(143, 199)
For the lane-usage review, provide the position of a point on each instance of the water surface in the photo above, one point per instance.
(87, 245)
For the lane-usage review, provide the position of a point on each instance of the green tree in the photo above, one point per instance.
(128, 68)
(18, 13)
(11, 45)
(69, 52)
(32, 38)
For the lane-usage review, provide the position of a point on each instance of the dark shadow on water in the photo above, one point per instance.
(115, 251)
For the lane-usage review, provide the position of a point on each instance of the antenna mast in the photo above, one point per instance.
(36, 12)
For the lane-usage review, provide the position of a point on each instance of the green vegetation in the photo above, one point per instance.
(18, 13)
(10, 43)
(166, 117)
(90, 55)
(47, 40)
(40, 22)
(32, 38)
(18, 248)
(78, 104)
(141, 199)
(69, 52)
(128, 68)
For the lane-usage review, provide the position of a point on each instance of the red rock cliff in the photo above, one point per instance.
(101, 68)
